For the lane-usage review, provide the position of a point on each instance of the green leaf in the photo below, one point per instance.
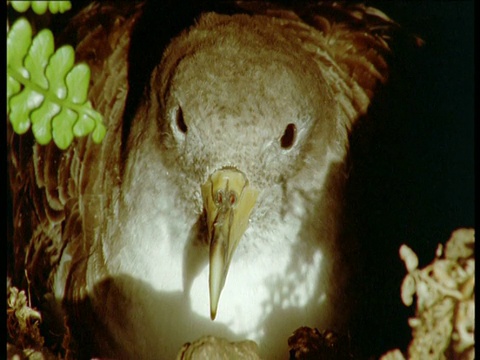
(38, 56)
(19, 39)
(40, 7)
(21, 105)
(60, 64)
(41, 121)
(99, 132)
(53, 7)
(62, 125)
(77, 82)
(86, 122)
(84, 125)
(62, 6)
(20, 6)
(13, 87)
(45, 89)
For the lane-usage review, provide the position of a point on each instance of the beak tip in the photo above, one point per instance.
(214, 307)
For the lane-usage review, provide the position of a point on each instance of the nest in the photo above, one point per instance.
(443, 326)
(444, 322)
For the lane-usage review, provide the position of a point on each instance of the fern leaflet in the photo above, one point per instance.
(46, 91)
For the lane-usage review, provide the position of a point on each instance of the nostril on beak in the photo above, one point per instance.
(219, 197)
(232, 198)
(229, 199)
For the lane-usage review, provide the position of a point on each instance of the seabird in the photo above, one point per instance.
(214, 204)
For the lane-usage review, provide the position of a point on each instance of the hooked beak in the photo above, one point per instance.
(228, 200)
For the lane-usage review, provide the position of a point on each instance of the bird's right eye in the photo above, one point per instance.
(180, 121)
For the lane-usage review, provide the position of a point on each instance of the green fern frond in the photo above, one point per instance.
(45, 89)
(40, 7)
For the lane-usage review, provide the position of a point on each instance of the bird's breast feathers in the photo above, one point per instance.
(273, 272)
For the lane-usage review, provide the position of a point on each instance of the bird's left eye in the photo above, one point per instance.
(289, 135)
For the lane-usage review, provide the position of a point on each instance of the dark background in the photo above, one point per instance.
(413, 182)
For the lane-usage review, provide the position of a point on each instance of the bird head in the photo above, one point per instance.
(238, 117)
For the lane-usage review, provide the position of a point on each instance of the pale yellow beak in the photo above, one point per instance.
(228, 200)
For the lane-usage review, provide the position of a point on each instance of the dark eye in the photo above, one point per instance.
(288, 137)
(180, 121)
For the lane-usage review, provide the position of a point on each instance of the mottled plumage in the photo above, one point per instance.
(118, 234)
